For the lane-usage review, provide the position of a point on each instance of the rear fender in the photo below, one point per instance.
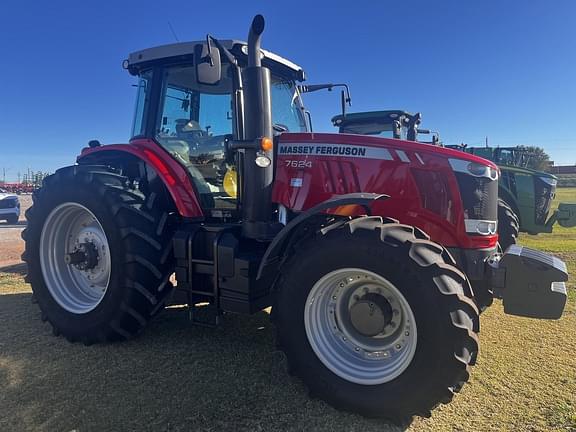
(282, 239)
(174, 176)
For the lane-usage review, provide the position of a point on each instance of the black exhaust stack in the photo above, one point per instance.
(256, 180)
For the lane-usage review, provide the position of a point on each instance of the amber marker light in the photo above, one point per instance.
(266, 144)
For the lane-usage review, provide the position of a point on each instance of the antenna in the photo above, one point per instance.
(173, 32)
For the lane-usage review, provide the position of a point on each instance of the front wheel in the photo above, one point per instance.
(508, 225)
(99, 254)
(375, 320)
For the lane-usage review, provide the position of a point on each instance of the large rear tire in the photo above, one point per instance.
(99, 254)
(508, 225)
(376, 320)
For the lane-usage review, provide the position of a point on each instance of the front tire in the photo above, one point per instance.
(417, 350)
(508, 225)
(99, 254)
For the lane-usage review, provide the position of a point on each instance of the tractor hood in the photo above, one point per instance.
(530, 171)
(368, 147)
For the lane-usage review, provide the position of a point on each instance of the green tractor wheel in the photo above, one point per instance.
(508, 225)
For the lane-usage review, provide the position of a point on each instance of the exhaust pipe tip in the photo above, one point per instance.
(254, 37)
(258, 24)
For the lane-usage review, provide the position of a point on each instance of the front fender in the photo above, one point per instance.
(278, 244)
(174, 176)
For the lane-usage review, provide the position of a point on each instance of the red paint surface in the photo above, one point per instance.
(335, 175)
(174, 175)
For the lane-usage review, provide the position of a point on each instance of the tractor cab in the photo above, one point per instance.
(388, 124)
(195, 121)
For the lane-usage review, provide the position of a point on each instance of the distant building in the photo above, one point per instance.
(563, 169)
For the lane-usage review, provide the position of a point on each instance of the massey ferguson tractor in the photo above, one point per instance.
(223, 186)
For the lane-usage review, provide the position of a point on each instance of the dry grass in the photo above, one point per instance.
(178, 377)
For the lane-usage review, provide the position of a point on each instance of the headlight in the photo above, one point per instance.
(549, 180)
(473, 168)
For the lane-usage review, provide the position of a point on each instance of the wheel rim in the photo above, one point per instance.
(360, 326)
(75, 258)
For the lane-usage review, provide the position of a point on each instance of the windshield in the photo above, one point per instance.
(286, 106)
(513, 157)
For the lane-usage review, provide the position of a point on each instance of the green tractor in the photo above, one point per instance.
(525, 195)
(391, 123)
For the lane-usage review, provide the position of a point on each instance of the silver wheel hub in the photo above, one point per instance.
(75, 258)
(360, 326)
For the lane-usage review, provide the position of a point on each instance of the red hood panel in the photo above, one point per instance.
(419, 178)
(372, 141)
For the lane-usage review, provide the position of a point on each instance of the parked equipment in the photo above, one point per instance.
(9, 207)
(375, 316)
(392, 124)
(525, 194)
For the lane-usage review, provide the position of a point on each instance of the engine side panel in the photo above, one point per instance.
(424, 192)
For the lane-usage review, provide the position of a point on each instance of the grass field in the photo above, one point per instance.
(177, 377)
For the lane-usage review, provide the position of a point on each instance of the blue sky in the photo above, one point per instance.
(502, 69)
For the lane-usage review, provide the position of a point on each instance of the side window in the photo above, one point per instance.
(176, 110)
(216, 113)
(141, 102)
(506, 157)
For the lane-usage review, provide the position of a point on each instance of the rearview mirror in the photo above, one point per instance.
(208, 66)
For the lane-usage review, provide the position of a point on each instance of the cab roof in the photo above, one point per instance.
(184, 51)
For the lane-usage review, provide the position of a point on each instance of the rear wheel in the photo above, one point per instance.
(508, 225)
(12, 219)
(375, 321)
(98, 253)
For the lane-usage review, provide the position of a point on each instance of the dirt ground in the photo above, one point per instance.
(11, 244)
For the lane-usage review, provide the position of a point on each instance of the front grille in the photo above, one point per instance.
(543, 196)
(8, 203)
(479, 196)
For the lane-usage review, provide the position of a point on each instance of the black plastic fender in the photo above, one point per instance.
(276, 246)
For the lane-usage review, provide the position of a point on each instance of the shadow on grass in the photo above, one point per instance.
(174, 377)
(19, 268)
(19, 224)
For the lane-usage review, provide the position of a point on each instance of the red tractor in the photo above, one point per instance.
(223, 186)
